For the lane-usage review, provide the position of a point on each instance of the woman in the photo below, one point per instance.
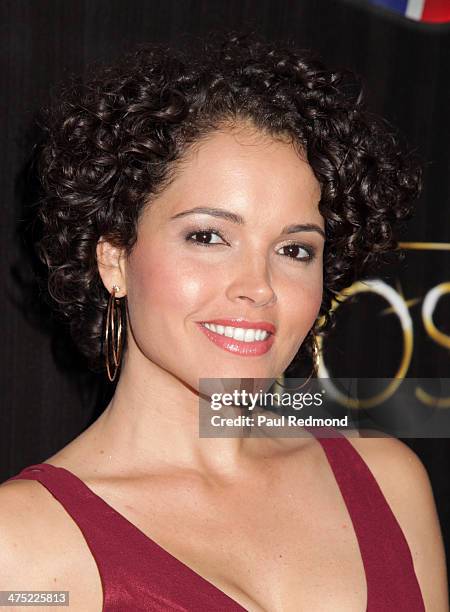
(241, 186)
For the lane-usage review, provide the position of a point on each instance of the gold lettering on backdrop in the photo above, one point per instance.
(400, 307)
(428, 307)
(425, 246)
(429, 304)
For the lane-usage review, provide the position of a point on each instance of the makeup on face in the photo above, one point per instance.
(227, 270)
(199, 232)
(246, 338)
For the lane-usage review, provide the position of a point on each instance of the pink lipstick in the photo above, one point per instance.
(229, 335)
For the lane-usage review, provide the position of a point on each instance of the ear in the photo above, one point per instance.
(111, 266)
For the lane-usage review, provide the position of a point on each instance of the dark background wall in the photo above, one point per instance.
(47, 396)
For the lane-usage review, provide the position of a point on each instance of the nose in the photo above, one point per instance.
(251, 283)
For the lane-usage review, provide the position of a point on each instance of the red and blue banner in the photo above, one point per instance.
(428, 11)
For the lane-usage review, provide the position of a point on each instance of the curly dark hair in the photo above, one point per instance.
(112, 142)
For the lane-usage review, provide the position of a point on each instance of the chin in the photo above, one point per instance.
(236, 373)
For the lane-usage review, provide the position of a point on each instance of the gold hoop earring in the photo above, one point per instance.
(316, 355)
(113, 341)
(315, 369)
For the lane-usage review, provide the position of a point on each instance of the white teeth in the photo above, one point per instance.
(238, 333)
(249, 335)
(229, 331)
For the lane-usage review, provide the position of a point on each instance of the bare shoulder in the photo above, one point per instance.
(26, 514)
(24, 510)
(41, 548)
(406, 486)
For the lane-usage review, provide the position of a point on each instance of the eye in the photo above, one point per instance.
(202, 237)
(294, 251)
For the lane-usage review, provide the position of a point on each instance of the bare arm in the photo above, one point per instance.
(42, 549)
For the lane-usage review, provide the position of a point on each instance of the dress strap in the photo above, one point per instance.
(136, 573)
(95, 520)
(391, 580)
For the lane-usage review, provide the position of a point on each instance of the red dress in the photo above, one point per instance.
(137, 574)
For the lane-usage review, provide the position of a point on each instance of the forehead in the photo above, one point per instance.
(239, 167)
(246, 150)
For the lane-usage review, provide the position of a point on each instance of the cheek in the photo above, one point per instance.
(301, 304)
(166, 285)
(164, 292)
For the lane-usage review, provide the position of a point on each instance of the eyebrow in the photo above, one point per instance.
(238, 219)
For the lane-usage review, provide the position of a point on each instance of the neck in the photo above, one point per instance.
(153, 420)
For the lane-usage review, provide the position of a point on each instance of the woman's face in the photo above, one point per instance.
(241, 262)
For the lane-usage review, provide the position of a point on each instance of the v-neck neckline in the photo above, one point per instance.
(148, 540)
(181, 564)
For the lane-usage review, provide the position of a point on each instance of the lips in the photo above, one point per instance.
(239, 347)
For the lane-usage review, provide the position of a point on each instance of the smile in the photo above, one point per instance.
(250, 340)
(238, 333)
